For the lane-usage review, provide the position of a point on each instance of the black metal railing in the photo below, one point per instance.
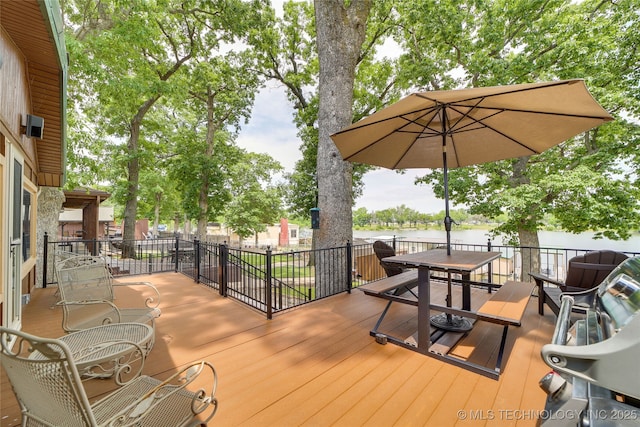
(271, 281)
(149, 256)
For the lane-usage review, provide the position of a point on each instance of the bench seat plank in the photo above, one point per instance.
(508, 304)
(391, 283)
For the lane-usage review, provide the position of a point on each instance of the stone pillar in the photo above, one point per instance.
(50, 200)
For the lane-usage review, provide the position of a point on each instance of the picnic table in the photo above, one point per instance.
(505, 307)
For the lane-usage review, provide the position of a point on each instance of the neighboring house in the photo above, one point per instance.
(71, 223)
(33, 72)
(282, 235)
(90, 223)
(276, 236)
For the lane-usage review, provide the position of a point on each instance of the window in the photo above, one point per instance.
(294, 233)
(26, 225)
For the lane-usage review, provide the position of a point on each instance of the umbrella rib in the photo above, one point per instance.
(475, 121)
(518, 110)
(398, 130)
(501, 110)
(352, 127)
(435, 109)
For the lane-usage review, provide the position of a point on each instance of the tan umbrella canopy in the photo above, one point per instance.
(453, 128)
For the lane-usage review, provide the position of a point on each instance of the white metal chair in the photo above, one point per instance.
(50, 392)
(86, 289)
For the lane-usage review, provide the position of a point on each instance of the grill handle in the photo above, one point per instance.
(561, 332)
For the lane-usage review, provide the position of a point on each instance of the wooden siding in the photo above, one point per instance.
(318, 366)
(32, 82)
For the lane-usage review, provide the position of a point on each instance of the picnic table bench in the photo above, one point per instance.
(394, 284)
(505, 307)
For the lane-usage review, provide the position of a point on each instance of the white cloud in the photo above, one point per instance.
(270, 129)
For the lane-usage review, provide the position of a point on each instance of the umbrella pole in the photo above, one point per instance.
(447, 217)
(448, 321)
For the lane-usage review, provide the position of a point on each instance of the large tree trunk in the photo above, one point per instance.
(340, 34)
(530, 245)
(527, 237)
(131, 206)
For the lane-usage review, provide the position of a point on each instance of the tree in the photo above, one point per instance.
(222, 92)
(289, 56)
(159, 199)
(193, 166)
(361, 217)
(482, 44)
(133, 51)
(386, 216)
(256, 199)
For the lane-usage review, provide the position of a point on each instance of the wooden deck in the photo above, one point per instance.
(318, 366)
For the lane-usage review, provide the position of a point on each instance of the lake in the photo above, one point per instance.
(548, 239)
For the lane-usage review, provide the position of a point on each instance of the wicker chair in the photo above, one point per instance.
(50, 392)
(584, 272)
(86, 289)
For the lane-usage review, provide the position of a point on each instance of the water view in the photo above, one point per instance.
(548, 239)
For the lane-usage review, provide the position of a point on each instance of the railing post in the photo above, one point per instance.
(196, 259)
(46, 259)
(268, 281)
(490, 267)
(393, 242)
(349, 266)
(175, 253)
(222, 269)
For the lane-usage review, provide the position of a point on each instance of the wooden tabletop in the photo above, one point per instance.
(463, 261)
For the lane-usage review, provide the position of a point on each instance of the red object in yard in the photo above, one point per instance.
(284, 232)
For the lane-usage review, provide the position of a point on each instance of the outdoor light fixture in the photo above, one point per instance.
(315, 218)
(33, 126)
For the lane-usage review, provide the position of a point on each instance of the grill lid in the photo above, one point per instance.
(619, 293)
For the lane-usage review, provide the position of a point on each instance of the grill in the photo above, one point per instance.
(595, 355)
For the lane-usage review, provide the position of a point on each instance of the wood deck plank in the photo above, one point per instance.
(390, 412)
(323, 390)
(460, 392)
(369, 408)
(422, 409)
(315, 365)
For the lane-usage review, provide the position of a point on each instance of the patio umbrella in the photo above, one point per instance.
(454, 128)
